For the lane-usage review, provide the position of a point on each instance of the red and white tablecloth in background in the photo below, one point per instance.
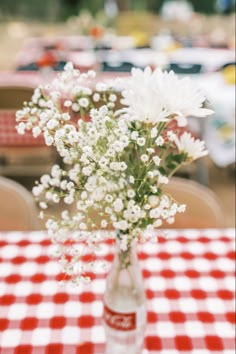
(9, 136)
(189, 280)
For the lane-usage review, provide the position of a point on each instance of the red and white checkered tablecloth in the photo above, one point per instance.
(189, 280)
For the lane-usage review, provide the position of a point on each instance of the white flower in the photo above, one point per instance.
(134, 135)
(21, 128)
(163, 179)
(83, 102)
(155, 213)
(143, 101)
(65, 215)
(55, 198)
(84, 195)
(36, 131)
(181, 121)
(153, 189)
(153, 200)
(193, 148)
(156, 160)
(37, 190)
(98, 194)
(165, 201)
(65, 116)
(118, 205)
(96, 97)
(150, 174)
(141, 141)
(159, 141)
(112, 97)
(82, 226)
(115, 166)
(144, 158)
(87, 171)
(154, 97)
(43, 205)
(48, 139)
(171, 136)
(182, 208)
(180, 95)
(45, 179)
(121, 225)
(157, 223)
(170, 220)
(154, 132)
(104, 223)
(123, 166)
(75, 107)
(150, 150)
(131, 179)
(108, 198)
(67, 103)
(131, 193)
(69, 199)
(147, 206)
(103, 162)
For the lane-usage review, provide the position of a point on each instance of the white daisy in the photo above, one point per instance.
(157, 96)
(181, 96)
(193, 148)
(142, 99)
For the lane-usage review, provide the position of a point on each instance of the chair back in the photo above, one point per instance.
(17, 207)
(12, 97)
(203, 209)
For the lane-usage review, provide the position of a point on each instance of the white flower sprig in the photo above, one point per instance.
(118, 147)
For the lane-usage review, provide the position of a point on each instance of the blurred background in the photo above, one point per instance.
(194, 38)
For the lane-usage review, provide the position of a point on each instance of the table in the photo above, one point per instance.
(189, 281)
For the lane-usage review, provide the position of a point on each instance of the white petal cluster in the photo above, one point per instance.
(188, 145)
(157, 96)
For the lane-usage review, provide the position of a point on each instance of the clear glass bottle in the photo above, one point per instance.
(125, 304)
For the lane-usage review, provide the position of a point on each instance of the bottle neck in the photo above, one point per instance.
(126, 256)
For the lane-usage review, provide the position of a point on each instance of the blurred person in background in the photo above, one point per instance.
(180, 10)
(111, 8)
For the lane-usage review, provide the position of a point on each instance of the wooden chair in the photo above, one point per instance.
(17, 207)
(203, 207)
(20, 155)
(12, 97)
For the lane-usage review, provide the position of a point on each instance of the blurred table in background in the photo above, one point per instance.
(85, 53)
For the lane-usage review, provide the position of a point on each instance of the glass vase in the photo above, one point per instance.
(124, 314)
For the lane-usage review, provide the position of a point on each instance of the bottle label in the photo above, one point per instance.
(119, 320)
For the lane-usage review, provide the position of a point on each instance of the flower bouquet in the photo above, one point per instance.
(119, 144)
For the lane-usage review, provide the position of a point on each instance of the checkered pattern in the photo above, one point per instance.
(10, 137)
(189, 280)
